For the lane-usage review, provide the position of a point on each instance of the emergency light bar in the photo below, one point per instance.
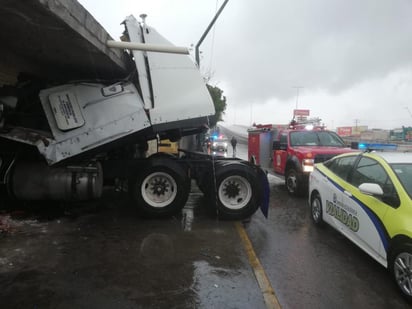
(376, 146)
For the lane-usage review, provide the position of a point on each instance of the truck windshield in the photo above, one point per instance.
(315, 138)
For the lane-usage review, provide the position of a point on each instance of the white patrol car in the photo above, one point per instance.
(367, 197)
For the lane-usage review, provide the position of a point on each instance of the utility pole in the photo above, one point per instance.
(207, 31)
(297, 94)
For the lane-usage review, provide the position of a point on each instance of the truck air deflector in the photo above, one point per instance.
(135, 32)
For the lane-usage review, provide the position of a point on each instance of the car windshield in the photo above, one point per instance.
(315, 138)
(404, 173)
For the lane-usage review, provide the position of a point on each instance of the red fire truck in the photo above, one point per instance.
(291, 151)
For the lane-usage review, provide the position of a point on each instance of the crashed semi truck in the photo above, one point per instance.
(66, 138)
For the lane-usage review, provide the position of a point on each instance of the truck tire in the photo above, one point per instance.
(161, 189)
(293, 182)
(235, 192)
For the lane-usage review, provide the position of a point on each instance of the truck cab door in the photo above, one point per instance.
(280, 153)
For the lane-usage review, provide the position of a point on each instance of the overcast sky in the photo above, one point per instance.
(353, 59)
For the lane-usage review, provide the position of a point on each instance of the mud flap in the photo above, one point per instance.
(265, 192)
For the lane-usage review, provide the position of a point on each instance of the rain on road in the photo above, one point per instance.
(103, 255)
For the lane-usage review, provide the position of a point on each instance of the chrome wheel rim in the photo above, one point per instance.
(403, 272)
(159, 189)
(316, 209)
(235, 192)
(291, 183)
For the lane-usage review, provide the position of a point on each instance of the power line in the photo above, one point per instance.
(212, 45)
(207, 31)
(407, 108)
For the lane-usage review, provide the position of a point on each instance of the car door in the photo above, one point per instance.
(333, 193)
(370, 234)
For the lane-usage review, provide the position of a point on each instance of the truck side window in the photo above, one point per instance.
(283, 141)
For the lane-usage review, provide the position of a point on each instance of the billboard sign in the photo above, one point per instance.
(344, 131)
(301, 112)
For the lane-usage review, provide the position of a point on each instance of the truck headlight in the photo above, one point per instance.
(308, 165)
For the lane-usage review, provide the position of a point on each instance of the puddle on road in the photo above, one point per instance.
(218, 287)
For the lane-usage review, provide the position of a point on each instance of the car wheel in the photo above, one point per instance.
(160, 190)
(400, 266)
(293, 182)
(316, 209)
(235, 193)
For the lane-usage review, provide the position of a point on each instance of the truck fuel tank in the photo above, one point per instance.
(38, 181)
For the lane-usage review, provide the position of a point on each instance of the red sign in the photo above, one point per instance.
(301, 112)
(344, 131)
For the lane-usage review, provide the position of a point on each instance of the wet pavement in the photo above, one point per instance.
(311, 267)
(108, 257)
(103, 255)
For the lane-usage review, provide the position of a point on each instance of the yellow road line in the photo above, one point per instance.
(269, 295)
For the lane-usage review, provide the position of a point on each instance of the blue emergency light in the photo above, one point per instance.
(377, 146)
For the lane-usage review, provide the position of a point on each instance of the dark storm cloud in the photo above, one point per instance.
(265, 48)
(353, 58)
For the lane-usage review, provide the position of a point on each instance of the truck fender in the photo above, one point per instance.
(294, 162)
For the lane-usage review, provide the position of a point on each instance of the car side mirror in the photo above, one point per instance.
(371, 189)
(376, 190)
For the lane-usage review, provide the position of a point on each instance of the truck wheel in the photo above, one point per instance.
(400, 266)
(161, 190)
(235, 194)
(293, 182)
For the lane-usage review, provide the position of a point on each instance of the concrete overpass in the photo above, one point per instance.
(57, 40)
